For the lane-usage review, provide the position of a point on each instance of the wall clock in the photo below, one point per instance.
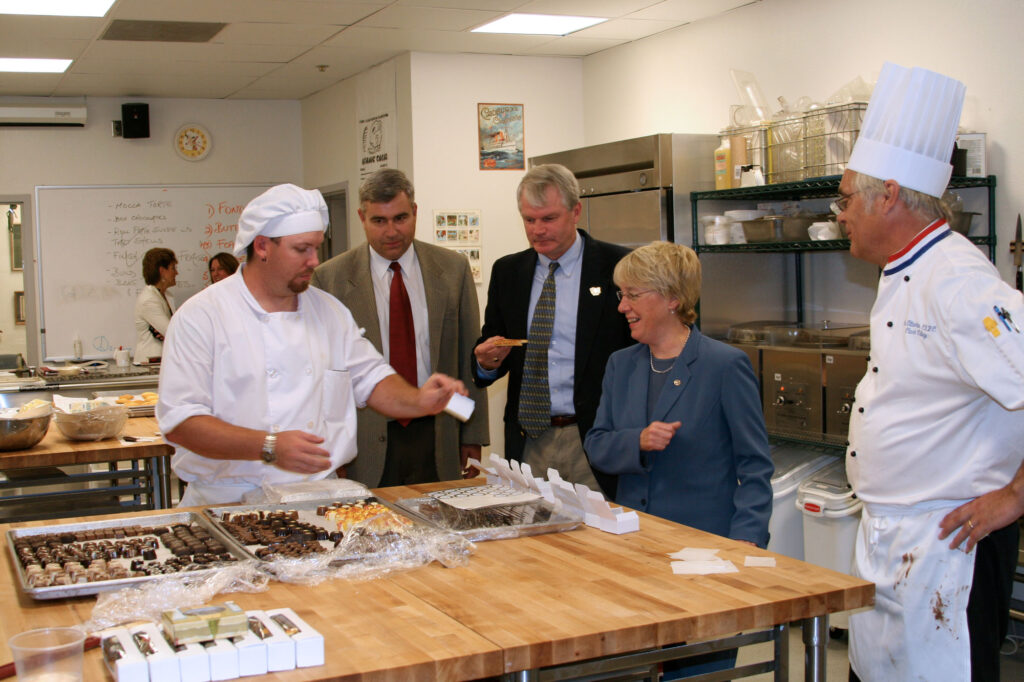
(192, 142)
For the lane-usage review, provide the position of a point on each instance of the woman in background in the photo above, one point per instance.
(154, 306)
(222, 265)
(680, 418)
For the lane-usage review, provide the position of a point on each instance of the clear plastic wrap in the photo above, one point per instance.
(311, 541)
(373, 548)
(301, 491)
(493, 522)
(148, 600)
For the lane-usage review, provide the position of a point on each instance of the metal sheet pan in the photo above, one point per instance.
(307, 513)
(81, 589)
(492, 523)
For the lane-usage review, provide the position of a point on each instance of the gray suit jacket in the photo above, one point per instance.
(454, 316)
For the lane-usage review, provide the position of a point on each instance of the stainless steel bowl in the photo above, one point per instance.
(21, 434)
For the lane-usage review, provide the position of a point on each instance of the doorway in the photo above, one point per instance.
(14, 306)
(336, 238)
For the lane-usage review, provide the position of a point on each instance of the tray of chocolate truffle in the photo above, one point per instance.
(295, 529)
(83, 558)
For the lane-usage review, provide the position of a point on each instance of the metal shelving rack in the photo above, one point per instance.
(817, 188)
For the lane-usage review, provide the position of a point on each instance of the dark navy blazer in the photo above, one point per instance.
(715, 474)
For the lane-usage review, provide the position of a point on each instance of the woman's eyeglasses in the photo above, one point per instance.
(632, 295)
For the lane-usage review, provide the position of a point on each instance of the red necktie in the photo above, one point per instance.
(401, 334)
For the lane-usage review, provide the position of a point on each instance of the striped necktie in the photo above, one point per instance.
(535, 394)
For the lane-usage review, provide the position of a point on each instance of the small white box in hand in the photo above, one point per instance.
(124, 660)
(223, 659)
(280, 647)
(460, 407)
(309, 644)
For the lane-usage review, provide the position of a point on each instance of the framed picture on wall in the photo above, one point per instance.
(19, 307)
(500, 129)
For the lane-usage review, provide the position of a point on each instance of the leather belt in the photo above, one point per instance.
(563, 419)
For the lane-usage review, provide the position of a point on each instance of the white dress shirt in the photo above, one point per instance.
(412, 276)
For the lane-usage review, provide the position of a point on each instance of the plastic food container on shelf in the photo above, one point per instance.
(740, 215)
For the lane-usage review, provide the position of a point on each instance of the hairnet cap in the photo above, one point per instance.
(909, 129)
(281, 211)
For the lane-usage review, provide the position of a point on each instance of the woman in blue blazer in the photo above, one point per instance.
(680, 418)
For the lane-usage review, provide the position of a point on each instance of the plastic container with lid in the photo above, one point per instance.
(753, 332)
(793, 465)
(808, 335)
(831, 514)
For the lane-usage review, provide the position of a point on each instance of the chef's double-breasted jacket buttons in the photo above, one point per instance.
(889, 323)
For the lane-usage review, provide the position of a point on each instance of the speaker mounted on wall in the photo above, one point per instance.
(135, 120)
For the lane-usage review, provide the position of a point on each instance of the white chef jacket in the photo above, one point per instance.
(938, 420)
(307, 370)
(151, 309)
(939, 415)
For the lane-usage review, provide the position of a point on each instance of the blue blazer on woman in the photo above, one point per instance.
(715, 474)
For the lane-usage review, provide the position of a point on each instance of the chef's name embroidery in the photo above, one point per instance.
(917, 329)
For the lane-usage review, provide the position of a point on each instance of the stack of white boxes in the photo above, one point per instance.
(276, 640)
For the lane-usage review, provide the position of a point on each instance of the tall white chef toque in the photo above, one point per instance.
(281, 211)
(909, 129)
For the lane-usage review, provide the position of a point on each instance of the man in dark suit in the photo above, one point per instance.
(555, 377)
(441, 316)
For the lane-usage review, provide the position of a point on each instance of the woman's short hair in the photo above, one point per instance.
(672, 270)
(226, 260)
(535, 183)
(154, 260)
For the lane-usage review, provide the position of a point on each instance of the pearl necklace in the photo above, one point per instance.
(650, 355)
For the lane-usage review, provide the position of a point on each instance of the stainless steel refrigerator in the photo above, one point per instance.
(637, 191)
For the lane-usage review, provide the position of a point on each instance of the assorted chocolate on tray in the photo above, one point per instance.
(311, 527)
(84, 556)
(93, 556)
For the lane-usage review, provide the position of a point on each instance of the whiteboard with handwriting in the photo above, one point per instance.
(89, 244)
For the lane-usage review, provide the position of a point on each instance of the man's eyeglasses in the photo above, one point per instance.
(840, 204)
(632, 296)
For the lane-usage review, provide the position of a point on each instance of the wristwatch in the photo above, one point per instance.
(267, 454)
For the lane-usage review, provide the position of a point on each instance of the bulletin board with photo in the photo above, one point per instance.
(459, 231)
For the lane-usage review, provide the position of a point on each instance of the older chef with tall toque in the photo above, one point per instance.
(261, 375)
(937, 432)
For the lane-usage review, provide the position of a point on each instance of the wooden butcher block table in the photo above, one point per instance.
(146, 480)
(525, 604)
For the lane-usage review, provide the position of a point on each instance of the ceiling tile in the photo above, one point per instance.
(573, 47)
(686, 11)
(436, 41)
(428, 18)
(626, 29)
(586, 8)
(249, 33)
(233, 11)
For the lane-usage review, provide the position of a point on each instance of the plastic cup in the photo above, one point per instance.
(48, 655)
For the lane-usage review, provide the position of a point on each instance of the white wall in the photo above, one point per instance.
(679, 81)
(436, 97)
(254, 141)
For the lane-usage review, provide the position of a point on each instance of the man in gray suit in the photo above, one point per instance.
(420, 302)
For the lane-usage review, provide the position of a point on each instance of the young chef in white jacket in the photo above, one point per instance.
(261, 375)
(937, 432)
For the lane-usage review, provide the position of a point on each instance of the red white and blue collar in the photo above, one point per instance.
(925, 239)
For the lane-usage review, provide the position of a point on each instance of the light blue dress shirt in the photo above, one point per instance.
(562, 351)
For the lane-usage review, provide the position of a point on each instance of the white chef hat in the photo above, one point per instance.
(281, 211)
(909, 129)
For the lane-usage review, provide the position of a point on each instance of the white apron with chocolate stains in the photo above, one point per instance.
(918, 628)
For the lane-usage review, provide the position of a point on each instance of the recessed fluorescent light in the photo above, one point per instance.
(539, 24)
(8, 64)
(57, 8)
